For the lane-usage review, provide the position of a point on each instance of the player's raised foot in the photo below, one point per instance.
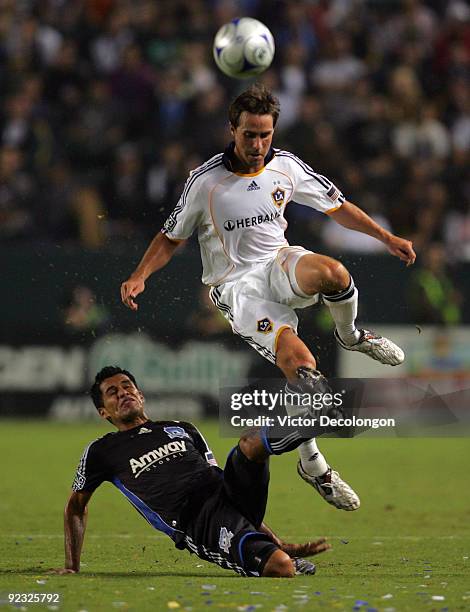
(333, 490)
(302, 566)
(379, 348)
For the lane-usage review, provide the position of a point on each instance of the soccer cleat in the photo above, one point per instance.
(312, 380)
(379, 348)
(333, 490)
(302, 566)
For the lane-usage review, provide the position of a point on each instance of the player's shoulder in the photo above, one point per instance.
(98, 443)
(202, 178)
(289, 160)
(209, 168)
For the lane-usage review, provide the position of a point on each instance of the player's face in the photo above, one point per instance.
(253, 137)
(123, 403)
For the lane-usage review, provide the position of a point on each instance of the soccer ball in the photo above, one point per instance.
(243, 48)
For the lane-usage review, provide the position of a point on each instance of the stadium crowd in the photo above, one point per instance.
(105, 106)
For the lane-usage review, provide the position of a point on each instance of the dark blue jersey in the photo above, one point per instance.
(164, 468)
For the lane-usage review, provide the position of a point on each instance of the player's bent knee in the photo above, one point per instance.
(279, 565)
(336, 276)
(252, 447)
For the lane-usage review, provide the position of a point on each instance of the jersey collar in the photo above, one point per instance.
(228, 158)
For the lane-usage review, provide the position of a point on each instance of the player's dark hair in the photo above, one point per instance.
(257, 100)
(103, 374)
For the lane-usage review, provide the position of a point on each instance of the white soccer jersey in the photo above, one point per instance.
(240, 217)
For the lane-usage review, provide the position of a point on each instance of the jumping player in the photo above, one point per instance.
(169, 474)
(236, 202)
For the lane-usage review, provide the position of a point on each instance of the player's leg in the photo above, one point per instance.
(279, 565)
(298, 364)
(312, 274)
(255, 448)
(260, 311)
(246, 477)
(292, 354)
(321, 274)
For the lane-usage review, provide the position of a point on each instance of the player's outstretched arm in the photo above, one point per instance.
(350, 216)
(158, 254)
(75, 517)
(306, 549)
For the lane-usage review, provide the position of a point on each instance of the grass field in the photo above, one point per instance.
(407, 548)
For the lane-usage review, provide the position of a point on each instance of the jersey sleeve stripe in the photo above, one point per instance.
(326, 183)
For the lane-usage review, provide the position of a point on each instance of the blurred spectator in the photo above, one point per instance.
(423, 136)
(207, 122)
(165, 181)
(125, 191)
(200, 76)
(132, 86)
(434, 298)
(370, 132)
(295, 27)
(81, 313)
(96, 132)
(90, 213)
(172, 105)
(108, 46)
(293, 72)
(16, 195)
(340, 69)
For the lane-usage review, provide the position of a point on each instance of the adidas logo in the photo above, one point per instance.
(253, 186)
(143, 430)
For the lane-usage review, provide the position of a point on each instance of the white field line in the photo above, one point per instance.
(122, 536)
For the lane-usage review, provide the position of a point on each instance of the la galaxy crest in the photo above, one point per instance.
(265, 326)
(278, 196)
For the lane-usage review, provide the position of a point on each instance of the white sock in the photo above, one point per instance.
(312, 460)
(343, 309)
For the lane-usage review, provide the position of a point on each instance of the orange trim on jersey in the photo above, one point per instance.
(175, 240)
(331, 210)
(278, 333)
(251, 173)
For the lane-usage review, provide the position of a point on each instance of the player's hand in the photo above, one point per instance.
(402, 249)
(308, 549)
(130, 289)
(62, 570)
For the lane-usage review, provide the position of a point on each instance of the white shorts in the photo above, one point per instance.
(261, 303)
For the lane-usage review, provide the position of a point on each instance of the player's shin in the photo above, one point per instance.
(276, 442)
(311, 458)
(343, 309)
